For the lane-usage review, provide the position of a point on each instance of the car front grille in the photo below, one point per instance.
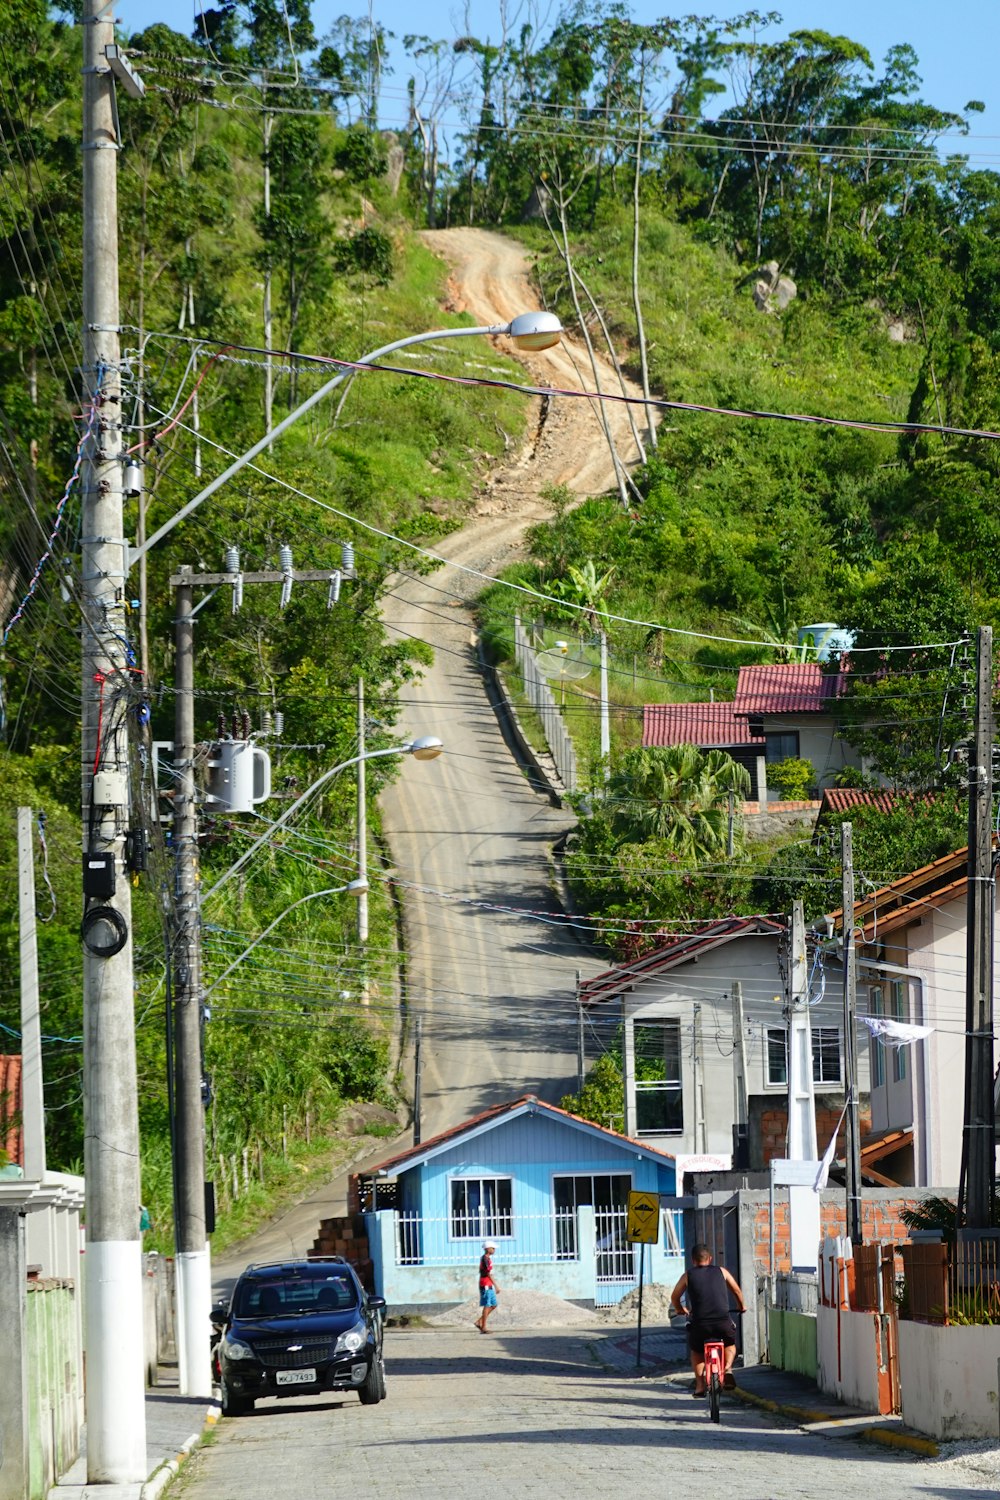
(312, 1351)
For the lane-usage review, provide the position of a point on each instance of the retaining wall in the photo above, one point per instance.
(949, 1381)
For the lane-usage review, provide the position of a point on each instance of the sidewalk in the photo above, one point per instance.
(794, 1397)
(174, 1425)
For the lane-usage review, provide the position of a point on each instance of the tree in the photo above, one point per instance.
(679, 795)
(602, 1098)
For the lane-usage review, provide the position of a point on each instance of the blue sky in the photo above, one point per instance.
(958, 44)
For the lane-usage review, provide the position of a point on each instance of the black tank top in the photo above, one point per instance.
(707, 1294)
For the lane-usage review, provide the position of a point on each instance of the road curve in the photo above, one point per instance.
(490, 969)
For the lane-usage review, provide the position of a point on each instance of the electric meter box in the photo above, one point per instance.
(239, 777)
(98, 876)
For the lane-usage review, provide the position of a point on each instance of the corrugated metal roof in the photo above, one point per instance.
(793, 687)
(700, 724)
(613, 982)
(10, 1108)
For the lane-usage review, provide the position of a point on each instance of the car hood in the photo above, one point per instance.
(312, 1325)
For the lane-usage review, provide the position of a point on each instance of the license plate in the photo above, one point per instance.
(294, 1377)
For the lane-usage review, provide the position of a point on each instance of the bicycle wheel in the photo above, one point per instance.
(714, 1387)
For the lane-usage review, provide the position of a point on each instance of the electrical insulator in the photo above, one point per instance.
(347, 559)
(285, 563)
(279, 722)
(221, 724)
(267, 722)
(334, 593)
(234, 731)
(246, 725)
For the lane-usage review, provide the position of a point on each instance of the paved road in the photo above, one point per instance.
(535, 1414)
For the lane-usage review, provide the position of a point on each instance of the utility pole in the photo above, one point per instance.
(976, 1192)
(741, 1128)
(853, 1151)
(116, 1416)
(605, 712)
(581, 1051)
(194, 1274)
(32, 1084)
(362, 842)
(801, 1108)
(417, 1064)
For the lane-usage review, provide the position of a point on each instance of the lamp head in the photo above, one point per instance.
(356, 887)
(535, 330)
(427, 747)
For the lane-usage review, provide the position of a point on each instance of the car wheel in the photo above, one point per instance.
(373, 1389)
(381, 1378)
(234, 1406)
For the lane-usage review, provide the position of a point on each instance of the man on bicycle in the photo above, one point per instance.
(706, 1288)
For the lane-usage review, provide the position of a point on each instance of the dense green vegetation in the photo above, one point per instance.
(255, 177)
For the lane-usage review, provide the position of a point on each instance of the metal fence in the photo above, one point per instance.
(453, 1240)
(539, 695)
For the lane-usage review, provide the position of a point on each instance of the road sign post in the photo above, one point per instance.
(642, 1228)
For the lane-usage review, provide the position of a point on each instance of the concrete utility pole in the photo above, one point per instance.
(605, 712)
(801, 1108)
(741, 1116)
(976, 1192)
(362, 842)
(194, 1271)
(32, 1087)
(853, 1152)
(116, 1417)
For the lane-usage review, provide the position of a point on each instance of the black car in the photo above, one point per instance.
(298, 1327)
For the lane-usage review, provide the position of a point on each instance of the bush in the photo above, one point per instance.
(794, 778)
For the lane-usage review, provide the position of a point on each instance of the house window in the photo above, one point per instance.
(481, 1206)
(900, 1012)
(877, 1008)
(659, 1100)
(783, 745)
(606, 1194)
(825, 1055)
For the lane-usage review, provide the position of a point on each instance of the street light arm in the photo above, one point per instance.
(134, 553)
(313, 896)
(293, 808)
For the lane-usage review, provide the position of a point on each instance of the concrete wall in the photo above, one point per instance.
(54, 1393)
(949, 1380)
(14, 1364)
(792, 1342)
(849, 1355)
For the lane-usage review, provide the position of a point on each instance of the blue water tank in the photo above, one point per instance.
(826, 639)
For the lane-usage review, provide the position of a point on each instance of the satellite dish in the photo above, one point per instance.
(559, 665)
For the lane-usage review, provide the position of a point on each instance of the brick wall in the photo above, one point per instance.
(769, 1126)
(880, 1220)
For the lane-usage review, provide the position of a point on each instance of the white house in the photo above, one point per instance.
(912, 965)
(685, 1049)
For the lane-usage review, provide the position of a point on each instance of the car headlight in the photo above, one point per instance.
(354, 1339)
(236, 1349)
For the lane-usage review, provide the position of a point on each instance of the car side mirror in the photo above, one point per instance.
(220, 1313)
(378, 1303)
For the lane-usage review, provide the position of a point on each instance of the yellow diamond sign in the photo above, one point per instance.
(643, 1226)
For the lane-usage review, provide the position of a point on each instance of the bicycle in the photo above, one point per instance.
(715, 1367)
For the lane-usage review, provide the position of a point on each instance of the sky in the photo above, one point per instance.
(957, 43)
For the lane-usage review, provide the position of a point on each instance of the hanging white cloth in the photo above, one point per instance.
(895, 1033)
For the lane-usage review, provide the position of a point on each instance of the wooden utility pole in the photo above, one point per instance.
(853, 1146)
(976, 1191)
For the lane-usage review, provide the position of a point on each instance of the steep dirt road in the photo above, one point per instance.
(494, 987)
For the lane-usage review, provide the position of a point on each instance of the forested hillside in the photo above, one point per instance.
(270, 225)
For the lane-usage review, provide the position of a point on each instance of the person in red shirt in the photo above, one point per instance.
(488, 1288)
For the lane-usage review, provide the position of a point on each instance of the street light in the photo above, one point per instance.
(529, 331)
(354, 887)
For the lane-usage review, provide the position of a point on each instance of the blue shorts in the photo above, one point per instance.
(487, 1297)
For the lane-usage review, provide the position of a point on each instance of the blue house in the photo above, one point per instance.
(549, 1189)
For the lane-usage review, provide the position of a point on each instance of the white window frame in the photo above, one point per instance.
(780, 1032)
(497, 1223)
(659, 1086)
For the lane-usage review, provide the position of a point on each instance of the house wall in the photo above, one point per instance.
(530, 1149)
(698, 993)
(792, 1341)
(818, 743)
(769, 1126)
(948, 1379)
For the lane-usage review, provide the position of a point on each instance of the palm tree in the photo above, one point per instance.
(679, 795)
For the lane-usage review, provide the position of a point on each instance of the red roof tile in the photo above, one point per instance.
(841, 799)
(700, 724)
(10, 1109)
(795, 687)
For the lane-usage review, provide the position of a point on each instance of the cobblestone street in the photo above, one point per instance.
(539, 1414)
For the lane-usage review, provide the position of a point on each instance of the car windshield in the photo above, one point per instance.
(296, 1296)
